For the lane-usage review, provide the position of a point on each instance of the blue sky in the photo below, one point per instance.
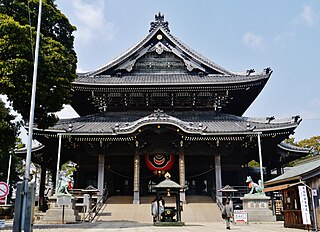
(237, 35)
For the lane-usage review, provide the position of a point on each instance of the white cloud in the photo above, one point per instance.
(92, 22)
(252, 40)
(308, 15)
(283, 37)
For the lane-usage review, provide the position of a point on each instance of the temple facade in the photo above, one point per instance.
(162, 107)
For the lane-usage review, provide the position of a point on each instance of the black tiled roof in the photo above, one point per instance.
(299, 172)
(170, 79)
(290, 147)
(189, 121)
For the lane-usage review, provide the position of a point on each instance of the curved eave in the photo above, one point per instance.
(196, 56)
(169, 80)
(294, 149)
(24, 150)
(202, 125)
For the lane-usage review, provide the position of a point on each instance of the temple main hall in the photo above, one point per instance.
(162, 107)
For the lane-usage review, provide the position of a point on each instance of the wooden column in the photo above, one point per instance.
(136, 175)
(101, 162)
(42, 188)
(182, 172)
(217, 163)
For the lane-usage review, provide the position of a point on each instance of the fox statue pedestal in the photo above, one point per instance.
(61, 210)
(257, 206)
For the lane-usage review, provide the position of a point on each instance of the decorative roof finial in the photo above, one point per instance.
(159, 21)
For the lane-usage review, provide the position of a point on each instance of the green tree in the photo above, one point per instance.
(313, 142)
(57, 58)
(8, 134)
(290, 141)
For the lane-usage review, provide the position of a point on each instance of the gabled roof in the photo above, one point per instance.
(160, 40)
(161, 63)
(159, 32)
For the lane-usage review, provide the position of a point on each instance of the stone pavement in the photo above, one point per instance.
(119, 214)
(132, 226)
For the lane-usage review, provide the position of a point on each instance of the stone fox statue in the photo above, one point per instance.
(258, 188)
(64, 184)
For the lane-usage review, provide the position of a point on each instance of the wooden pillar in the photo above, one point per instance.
(101, 162)
(42, 189)
(217, 163)
(279, 170)
(136, 175)
(182, 172)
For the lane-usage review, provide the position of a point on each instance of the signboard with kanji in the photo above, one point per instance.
(304, 205)
(240, 216)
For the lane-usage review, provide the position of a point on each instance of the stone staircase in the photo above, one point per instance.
(120, 208)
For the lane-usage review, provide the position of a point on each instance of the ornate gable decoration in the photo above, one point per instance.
(159, 52)
(159, 21)
(158, 116)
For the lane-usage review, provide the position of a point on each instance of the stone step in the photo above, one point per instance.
(197, 209)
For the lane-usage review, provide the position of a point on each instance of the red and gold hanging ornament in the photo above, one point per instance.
(159, 163)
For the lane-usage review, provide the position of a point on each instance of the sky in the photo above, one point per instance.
(237, 35)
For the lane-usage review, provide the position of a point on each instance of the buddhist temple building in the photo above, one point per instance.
(162, 107)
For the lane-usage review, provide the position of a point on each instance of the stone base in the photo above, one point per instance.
(168, 224)
(6, 212)
(257, 206)
(136, 197)
(55, 211)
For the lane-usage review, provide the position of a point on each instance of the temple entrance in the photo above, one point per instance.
(149, 177)
(119, 174)
(200, 175)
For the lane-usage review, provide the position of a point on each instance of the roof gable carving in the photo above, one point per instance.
(159, 21)
(158, 41)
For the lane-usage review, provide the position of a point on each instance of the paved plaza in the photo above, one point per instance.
(116, 226)
(119, 214)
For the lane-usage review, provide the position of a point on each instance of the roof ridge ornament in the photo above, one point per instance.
(159, 21)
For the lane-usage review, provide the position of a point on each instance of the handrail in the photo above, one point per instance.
(92, 213)
(219, 202)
